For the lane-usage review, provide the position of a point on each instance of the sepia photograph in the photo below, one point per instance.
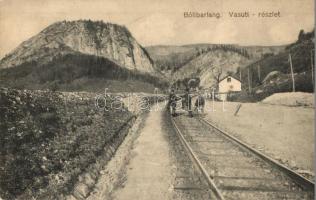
(157, 100)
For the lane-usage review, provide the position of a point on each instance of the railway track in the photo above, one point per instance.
(234, 170)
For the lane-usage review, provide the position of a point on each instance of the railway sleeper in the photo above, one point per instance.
(193, 194)
(235, 172)
(261, 184)
(265, 195)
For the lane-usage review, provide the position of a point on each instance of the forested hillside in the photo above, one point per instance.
(169, 59)
(273, 72)
(75, 72)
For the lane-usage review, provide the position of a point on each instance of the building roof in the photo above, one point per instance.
(227, 77)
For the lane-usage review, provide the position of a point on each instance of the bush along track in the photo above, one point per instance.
(54, 144)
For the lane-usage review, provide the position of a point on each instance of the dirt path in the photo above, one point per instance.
(151, 163)
(142, 166)
(149, 172)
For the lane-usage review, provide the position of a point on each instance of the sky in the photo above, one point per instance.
(162, 22)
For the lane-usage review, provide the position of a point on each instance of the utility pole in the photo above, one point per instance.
(292, 73)
(240, 74)
(312, 67)
(213, 98)
(249, 85)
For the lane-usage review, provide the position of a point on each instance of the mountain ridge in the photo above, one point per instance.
(173, 57)
(179, 62)
(81, 55)
(107, 40)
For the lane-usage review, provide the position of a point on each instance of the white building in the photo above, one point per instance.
(227, 85)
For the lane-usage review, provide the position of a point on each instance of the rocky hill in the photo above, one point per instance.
(81, 55)
(210, 66)
(168, 57)
(198, 60)
(101, 39)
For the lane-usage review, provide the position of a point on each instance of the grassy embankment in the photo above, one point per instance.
(49, 138)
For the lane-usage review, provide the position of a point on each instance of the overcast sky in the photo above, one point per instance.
(155, 22)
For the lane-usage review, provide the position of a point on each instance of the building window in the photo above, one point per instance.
(229, 80)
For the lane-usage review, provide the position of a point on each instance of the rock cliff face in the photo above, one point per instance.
(207, 66)
(94, 38)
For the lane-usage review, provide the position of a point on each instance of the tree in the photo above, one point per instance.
(301, 35)
(217, 73)
(230, 73)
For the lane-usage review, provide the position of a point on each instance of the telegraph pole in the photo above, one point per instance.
(240, 74)
(292, 73)
(249, 85)
(312, 67)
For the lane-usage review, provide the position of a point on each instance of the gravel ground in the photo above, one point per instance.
(291, 99)
(282, 132)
